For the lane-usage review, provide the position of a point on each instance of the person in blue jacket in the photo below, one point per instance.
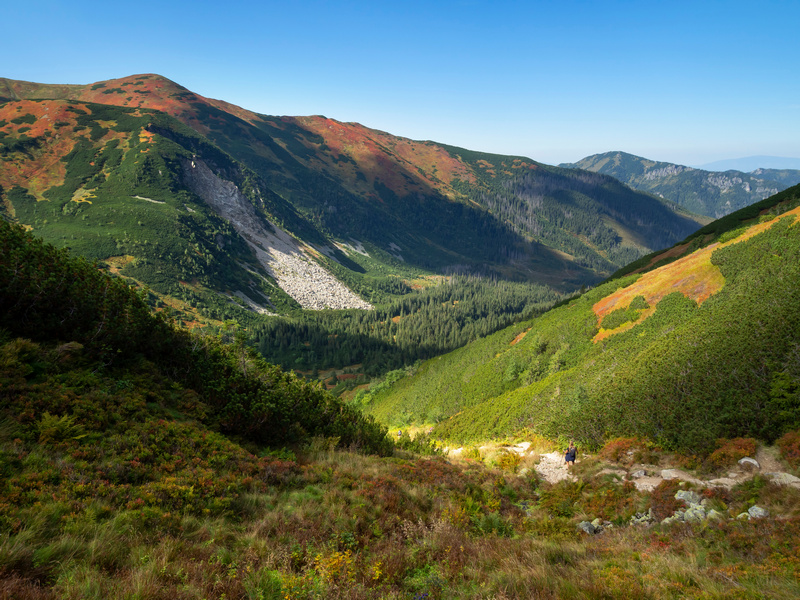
(569, 455)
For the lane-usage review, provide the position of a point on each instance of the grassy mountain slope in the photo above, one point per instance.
(709, 193)
(139, 460)
(688, 345)
(416, 202)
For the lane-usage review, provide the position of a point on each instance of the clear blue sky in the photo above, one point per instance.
(687, 82)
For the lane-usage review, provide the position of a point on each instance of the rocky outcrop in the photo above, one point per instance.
(280, 254)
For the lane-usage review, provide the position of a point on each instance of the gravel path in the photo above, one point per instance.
(553, 468)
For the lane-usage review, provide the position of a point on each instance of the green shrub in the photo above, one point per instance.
(52, 428)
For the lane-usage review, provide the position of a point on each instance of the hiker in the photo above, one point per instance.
(569, 455)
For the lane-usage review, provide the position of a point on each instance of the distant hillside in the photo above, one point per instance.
(685, 346)
(707, 193)
(752, 163)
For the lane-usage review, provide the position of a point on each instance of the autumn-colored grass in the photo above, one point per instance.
(694, 276)
(396, 159)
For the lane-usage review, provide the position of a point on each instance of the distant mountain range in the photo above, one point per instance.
(708, 193)
(751, 163)
(215, 205)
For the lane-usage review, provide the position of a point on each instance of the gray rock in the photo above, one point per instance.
(598, 523)
(587, 527)
(687, 496)
(749, 462)
(639, 474)
(757, 512)
(783, 479)
(696, 514)
(671, 520)
(642, 518)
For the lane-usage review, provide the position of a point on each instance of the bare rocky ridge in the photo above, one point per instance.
(285, 259)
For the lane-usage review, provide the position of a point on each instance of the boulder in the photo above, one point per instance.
(589, 528)
(688, 497)
(756, 512)
(696, 514)
(642, 518)
(783, 479)
(749, 463)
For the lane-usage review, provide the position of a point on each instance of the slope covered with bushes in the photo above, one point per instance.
(695, 343)
(62, 308)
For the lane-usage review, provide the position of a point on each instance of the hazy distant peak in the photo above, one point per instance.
(751, 163)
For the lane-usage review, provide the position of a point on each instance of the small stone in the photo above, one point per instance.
(757, 512)
(639, 474)
(749, 462)
(743, 517)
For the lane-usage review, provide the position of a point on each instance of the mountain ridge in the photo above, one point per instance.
(709, 193)
(374, 166)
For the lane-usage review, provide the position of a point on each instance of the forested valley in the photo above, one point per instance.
(414, 327)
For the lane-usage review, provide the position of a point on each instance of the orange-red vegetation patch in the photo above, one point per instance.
(404, 165)
(518, 339)
(146, 136)
(139, 91)
(41, 168)
(694, 276)
(396, 319)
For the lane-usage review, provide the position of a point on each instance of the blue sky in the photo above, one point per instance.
(686, 82)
